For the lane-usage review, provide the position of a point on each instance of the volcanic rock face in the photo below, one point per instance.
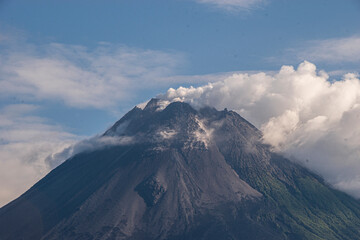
(185, 174)
(151, 190)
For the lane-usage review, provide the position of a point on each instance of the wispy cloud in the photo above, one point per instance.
(87, 145)
(25, 142)
(30, 147)
(79, 77)
(102, 77)
(233, 5)
(335, 50)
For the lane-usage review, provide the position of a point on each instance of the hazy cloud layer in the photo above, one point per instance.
(300, 113)
(102, 77)
(233, 5)
(334, 50)
(79, 77)
(30, 147)
(25, 142)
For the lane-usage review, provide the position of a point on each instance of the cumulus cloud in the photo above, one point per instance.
(25, 142)
(233, 5)
(301, 114)
(99, 78)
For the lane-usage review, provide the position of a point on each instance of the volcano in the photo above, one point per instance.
(176, 172)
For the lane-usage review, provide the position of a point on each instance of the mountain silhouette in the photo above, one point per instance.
(181, 173)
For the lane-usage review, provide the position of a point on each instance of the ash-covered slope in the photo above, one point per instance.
(181, 174)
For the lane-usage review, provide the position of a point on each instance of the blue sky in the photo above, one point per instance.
(229, 40)
(210, 38)
(69, 69)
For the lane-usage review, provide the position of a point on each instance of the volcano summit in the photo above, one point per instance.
(182, 173)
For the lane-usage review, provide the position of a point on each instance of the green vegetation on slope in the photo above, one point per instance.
(301, 205)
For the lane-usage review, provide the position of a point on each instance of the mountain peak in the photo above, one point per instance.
(152, 105)
(189, 174)
(179, 124)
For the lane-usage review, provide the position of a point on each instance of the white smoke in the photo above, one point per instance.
(301, 112)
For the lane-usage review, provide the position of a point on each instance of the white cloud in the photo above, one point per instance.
(233, 5)
(25, 142)
(79, 77)
(336, 50)
(300, 113)
(87, 145)
(103, 77)
(30, 147)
